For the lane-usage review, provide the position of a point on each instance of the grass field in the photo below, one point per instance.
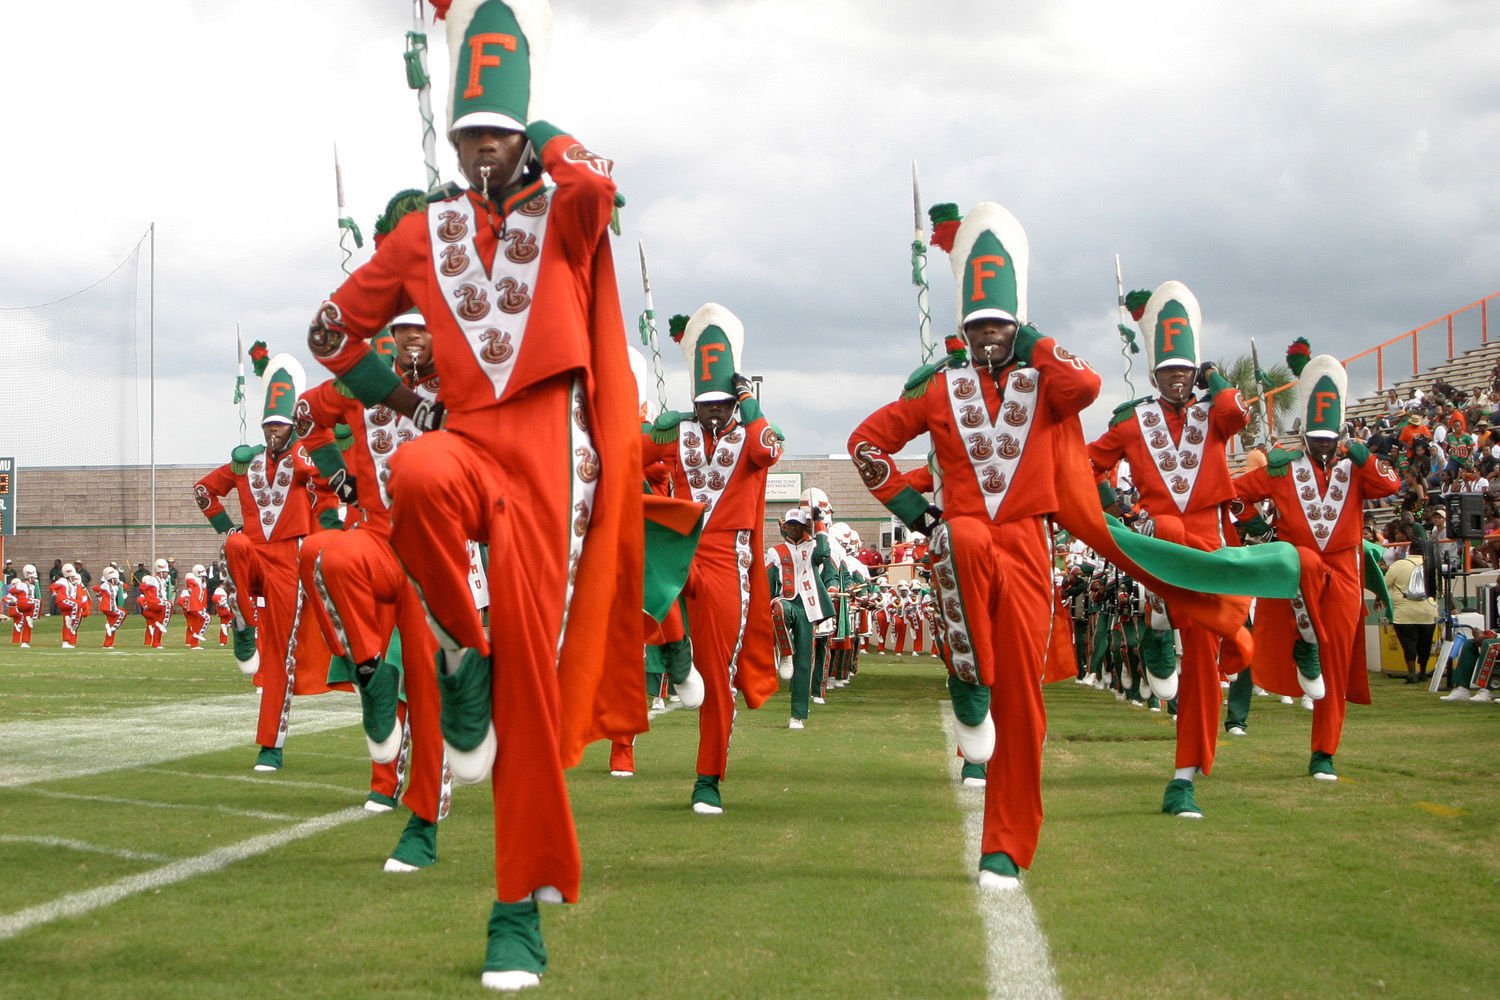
(141, 857)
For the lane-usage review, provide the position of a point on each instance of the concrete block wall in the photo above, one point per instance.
(101, 514)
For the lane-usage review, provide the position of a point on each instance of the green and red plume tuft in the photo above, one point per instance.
(676, 326)
(1298, 352)
(945, 221)
(1136, 302)
(259, 356)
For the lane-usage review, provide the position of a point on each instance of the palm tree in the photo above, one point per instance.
(1241, 374)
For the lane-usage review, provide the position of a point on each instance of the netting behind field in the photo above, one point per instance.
(73, 377)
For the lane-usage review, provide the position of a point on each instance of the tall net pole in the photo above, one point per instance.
(151, 330)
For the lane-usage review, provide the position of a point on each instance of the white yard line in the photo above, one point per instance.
(79, 845)
(78, 903)
(1018, 962)
(149, 804)
(35, 751)
(268, 781)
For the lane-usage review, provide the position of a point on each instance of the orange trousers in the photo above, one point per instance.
(503, 475)
(1199, 696)
(361, 596)
(1341, 612)
(1004, 575)
(268, 571)
(718, 594)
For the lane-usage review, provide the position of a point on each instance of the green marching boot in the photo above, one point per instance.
(998, 871)
(379, 687)
(706, 801)
(973, 775)
(1309, 668)
(468, 732)
(417, 848)
(1321, 766)
(1178, 800)
(514, 956)
(973, 726)
(245, 656)
(269, 759)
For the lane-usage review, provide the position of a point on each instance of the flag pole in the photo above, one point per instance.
(649, 337)
(919, 269)
(347, 225)
(418, 79)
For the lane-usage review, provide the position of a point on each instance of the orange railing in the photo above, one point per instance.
(1457, 329)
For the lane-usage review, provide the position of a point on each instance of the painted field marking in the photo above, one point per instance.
(258, 779)
(78, 903)
(78, 845)
(1018, 962)
(148, 804)
(46, 750)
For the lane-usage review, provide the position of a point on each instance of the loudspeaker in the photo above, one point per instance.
(1466, 516)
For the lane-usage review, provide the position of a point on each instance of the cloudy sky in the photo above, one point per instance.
(1316, 169)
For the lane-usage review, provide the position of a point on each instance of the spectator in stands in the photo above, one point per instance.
(1382, 442)
(1413, 493)
(10, 572)
(1486, 553)
(1472, 481)
(1447, 483)
(1373, 532)
(1495, 378)
(83, 573)
(1393, 405)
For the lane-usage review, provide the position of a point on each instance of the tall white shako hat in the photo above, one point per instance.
(713, 342)
(284, 380)
(497, 50)
(1325, 387)
(990, 258)
(1172, 324)
(814, 497)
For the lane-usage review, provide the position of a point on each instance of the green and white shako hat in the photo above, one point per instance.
(497, 50)
(1172, 322)
(1325, 387)
(284, 381)
(713, 343)
(990, 258)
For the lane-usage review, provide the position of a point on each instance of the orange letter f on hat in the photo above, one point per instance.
(982, 274)
(478, 60)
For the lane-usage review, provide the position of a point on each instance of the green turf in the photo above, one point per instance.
(838, 868)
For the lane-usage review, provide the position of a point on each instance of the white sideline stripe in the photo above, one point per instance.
(79, 845)
(45, 750)
(268, 782)
(148, 804)
(656, 713)
(78, 903)
(1018, 961)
